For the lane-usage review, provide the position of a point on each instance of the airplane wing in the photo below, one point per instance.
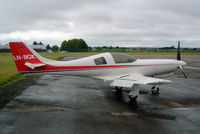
(129, 80)
(33, 65)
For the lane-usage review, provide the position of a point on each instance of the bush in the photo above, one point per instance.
(54, 48)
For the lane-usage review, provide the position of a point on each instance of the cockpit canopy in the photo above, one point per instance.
(123, 58)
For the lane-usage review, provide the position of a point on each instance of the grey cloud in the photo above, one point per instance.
(144, 22)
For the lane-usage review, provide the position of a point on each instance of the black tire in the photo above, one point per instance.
(133, 100)
(155, 90)
(118, 92)
(118, 88)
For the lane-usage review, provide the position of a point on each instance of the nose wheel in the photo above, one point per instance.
(155, 90)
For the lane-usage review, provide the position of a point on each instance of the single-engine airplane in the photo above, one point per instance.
(122, 70)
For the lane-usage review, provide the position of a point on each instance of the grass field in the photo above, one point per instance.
(8, 71)
(9, 74)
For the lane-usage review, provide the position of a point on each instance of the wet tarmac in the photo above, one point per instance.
(74, 105)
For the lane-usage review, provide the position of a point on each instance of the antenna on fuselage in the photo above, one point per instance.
(178, 51)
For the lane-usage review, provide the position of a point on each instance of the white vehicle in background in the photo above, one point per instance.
(121, 69)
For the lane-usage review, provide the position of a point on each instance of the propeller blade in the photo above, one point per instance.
(178, 51)
(183, 72)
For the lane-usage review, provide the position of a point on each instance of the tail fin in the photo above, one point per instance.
(24, 56)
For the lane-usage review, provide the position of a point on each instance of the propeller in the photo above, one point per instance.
(179, 58)
(178, 51)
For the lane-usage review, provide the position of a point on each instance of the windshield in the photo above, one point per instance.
(123, 58)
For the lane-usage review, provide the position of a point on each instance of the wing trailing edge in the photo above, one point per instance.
(130, 80)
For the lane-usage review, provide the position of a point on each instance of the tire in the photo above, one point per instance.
(155, 90)
(133, 99)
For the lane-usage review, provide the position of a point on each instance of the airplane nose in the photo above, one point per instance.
(182, 63)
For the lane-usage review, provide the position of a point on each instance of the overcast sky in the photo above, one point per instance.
(130, 23)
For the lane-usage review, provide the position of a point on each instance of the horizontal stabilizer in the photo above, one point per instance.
(33, 66)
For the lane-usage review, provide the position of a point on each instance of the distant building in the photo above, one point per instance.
(38, 48)
(5, 48)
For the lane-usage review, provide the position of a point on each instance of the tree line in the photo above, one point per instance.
(79, 45)
(74, 45)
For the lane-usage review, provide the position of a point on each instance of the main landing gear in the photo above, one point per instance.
(118, 91)
(155, 90)
(133, 99)
(134, 93)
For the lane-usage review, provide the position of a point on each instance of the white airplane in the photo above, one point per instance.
(121, 69)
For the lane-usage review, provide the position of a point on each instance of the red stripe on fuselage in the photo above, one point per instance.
(54, 68)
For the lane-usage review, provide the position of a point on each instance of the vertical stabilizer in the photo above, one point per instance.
(23, 55)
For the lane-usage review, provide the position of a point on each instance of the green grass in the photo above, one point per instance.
(8, 70)
(53, 56)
